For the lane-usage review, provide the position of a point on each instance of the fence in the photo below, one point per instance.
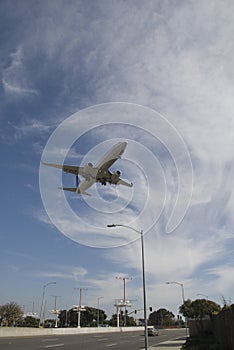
(221, 326)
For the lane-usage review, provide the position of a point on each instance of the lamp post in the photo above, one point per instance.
(55, 311)
(42, 301)
(183, 298)
(98, 300)
(143, 276)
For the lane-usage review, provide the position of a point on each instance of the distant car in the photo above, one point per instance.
(152, 330)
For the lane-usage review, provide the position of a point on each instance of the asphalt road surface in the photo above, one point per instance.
(104, 341)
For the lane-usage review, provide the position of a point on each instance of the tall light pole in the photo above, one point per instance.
(183, 298)
(124, 280)
(98, 305)
(124, 298)
(42, 301)
(143, 276)
(79, 307)
(55, 311)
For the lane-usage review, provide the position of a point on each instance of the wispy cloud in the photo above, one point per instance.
(42, 217)
(15, 76)
(9, 88)
(65, 272)
(30, 128)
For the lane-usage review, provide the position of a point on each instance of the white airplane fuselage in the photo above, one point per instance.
(115, 152)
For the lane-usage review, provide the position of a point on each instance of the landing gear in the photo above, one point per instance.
(77, 181)
(102, 181)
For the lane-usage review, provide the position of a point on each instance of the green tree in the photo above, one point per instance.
(64, 318)
(130, 321)
(88, 318)
(113, 320)
(162, 317)
(199, 308)
(186, 309)
(30, 321)
(122, 319)
(10, 313)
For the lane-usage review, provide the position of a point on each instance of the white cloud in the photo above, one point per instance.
(224, 278)
(14, 76)
(10, 88)
(65, 272)
(41, 216)
(30, 128)
(29, 186)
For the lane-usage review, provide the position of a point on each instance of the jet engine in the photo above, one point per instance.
(87, 167)
(115, 177)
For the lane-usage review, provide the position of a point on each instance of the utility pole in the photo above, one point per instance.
(79, 307)
(98, 302)
(55, 311)
(125, 302)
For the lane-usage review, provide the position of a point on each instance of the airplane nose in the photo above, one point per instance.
(124, 144)
(121, 148)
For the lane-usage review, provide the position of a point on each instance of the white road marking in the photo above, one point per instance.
(109, 345)
(102, 339)
(53, 346)
(49, 339)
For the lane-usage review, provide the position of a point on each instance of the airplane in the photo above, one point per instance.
(99, 173)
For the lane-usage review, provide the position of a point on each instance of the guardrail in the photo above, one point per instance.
(23, 331)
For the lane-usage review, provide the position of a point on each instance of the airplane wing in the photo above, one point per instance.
(67, 168)
(74, 189)
(124, 183)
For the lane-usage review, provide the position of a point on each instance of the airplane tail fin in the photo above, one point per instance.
(74, 189)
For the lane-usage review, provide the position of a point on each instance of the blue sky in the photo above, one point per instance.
(85, 75)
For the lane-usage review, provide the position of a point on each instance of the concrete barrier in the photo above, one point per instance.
(24, 332)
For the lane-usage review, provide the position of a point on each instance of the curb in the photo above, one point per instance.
(169, 345)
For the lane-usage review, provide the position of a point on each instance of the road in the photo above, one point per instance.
(113, 341)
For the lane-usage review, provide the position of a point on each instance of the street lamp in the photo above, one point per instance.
(183, 298)
(42, 301)
(143, 276)
(55, 311)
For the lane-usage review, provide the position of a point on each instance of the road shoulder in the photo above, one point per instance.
(169, 344)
